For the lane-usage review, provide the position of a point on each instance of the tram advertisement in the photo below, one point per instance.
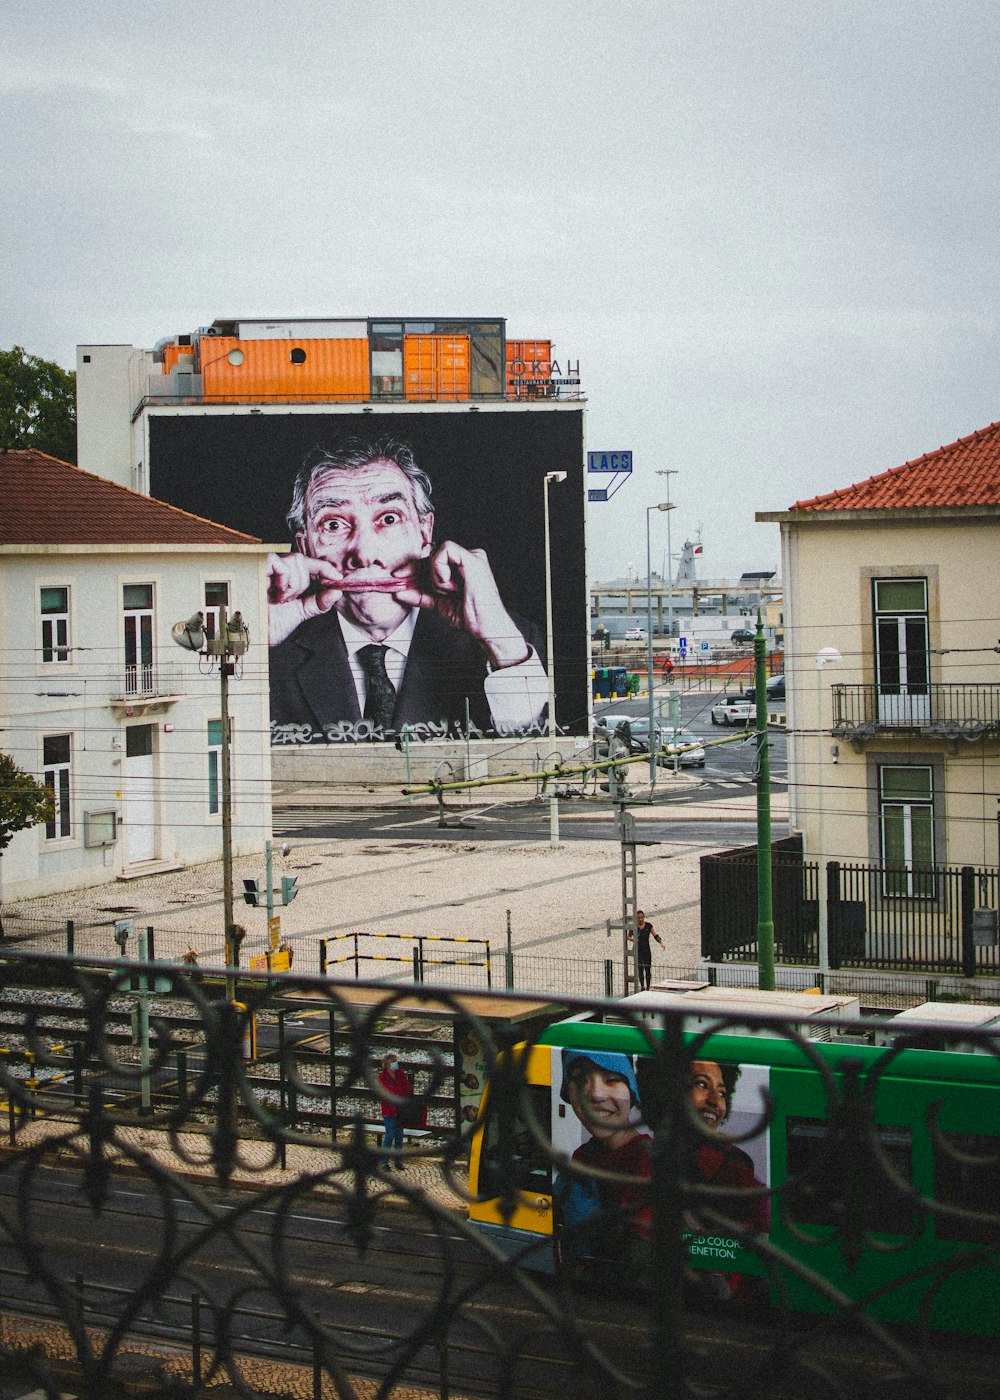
(603, 1103)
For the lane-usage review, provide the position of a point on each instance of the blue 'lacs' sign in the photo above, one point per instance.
(609, 461)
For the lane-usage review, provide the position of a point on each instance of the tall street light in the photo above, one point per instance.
(231, 640)
(653, 746)
(553, 799)
(668, 473)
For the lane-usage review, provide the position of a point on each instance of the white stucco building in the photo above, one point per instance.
(122, 725)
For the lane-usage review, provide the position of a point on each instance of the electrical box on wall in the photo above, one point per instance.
(100, 828)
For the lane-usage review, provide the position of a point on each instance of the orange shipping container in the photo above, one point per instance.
(436, 366)
(281, 370)
(529, 368)
(173, 353)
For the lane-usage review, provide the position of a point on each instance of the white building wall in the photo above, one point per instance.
(110, 384)
(85, 698)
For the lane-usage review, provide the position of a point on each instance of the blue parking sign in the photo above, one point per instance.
(682, 645)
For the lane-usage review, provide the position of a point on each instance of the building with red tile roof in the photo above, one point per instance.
(46, 501)
(892, 611)
(965, 474)
(99, 704)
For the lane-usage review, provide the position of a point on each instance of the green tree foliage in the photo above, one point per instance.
(23, 800)
(37, 404)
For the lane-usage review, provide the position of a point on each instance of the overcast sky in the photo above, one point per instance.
(767, 231)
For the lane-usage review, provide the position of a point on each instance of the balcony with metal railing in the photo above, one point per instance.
(948, 711)
(146, 686)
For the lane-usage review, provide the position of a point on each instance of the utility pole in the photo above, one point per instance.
(231, 640)
(765, 911)
(226, 667)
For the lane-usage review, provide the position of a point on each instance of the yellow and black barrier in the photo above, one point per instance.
(417, 955)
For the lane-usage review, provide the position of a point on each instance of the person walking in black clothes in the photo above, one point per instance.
(643, 952)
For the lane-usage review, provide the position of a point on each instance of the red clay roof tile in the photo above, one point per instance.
(965, 473)
(45, 501)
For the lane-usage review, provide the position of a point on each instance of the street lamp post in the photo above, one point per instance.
(668, 473)
(550, 655)
(667, 506)
(230, 641)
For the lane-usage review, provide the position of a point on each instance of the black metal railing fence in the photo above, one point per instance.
(201, 1260)
(919, 919)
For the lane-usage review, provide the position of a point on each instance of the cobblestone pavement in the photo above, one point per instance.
(556, 902)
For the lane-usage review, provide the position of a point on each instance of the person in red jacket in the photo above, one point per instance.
(395, 1085)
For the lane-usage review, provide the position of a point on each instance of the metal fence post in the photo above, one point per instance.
(196, 1340)
(833, 918)
(671, 1142)
(416, 964)
(509, 959)
(69, 937)
(443, 1391)
(968, 906)
(609, 977)
(322, 957)
(333, 1078)
(282, 1089)
(77, 1073)
(182, 1090)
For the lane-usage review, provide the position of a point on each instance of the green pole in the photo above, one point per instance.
(269, 882)
(765, 912)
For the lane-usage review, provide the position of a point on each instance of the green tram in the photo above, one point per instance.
(814, 1175)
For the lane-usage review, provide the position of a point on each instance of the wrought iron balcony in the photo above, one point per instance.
(145, 685)
(948, 711)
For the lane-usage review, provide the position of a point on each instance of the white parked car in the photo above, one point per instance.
(734, 712)
(680, 742)
(635, 634)
(683, 744)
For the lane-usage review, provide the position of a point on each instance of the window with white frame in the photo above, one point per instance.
(54, 607)
(137, 604)
(906, 828)
(56, 756)
(902, 650)
(214, 766)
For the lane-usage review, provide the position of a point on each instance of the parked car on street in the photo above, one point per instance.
(635, 634)
(741, 637)
(775, 687)
(673, 742)
(733, 711)
(682, 744)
